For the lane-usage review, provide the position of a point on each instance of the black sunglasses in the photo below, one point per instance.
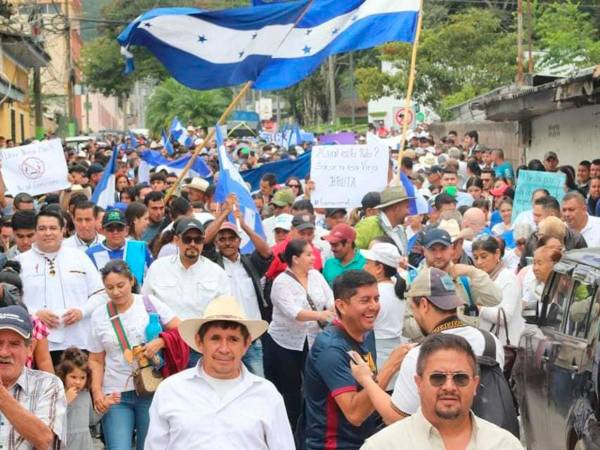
(460, 379)
(189, 239)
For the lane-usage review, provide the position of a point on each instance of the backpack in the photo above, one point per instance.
(494, 401)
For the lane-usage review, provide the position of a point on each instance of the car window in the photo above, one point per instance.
(577, 320)
(558, 299)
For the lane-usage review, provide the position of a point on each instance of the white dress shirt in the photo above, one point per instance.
(187, 412)
(242, 287)
(73, 285)
(591, 231)
(186, 291)
(76, 242)
(289, 298)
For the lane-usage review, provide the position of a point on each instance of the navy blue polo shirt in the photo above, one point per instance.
(327, 375)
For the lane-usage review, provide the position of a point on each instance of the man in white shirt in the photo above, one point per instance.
(186, 282)
(447, 381)
(434, 303)
(85, 221)
(575, 215)
(219, 403)
(59, 285)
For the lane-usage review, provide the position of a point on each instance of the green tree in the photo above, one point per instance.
(170, 99)
(566, 35)
(469, 53)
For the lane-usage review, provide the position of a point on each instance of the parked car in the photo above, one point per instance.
(556, 372)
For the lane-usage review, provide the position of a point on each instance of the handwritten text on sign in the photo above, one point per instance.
(529, 181)
(35, 168)
(343, 174)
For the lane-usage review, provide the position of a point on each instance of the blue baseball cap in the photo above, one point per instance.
(437, 236)
(16, 318)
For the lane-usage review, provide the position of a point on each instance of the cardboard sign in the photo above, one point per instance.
(35, 168)
(529, 181)
(343, 174)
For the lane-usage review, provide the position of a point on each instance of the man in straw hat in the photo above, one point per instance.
(219, 403)
(393, 209)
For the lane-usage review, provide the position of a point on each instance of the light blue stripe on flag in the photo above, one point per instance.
(231, 182)
(104, 193)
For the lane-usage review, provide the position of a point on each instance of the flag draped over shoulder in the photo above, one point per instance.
(275, 45)
(231, 182)
(104, 193)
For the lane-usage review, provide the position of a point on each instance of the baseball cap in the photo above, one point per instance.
(16, 318)
(95, 168)
(186, 225)
(370, 200)
(437, 236)
(383, 252)
(231, 227)
(283, 197)
(283, 221)
(437, 286)
(332, 211)
(114, 216)
(303, 221)
(341, 232)
(550, 155)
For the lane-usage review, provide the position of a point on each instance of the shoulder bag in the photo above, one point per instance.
(510, 351)
(311, 302)
(146, 377)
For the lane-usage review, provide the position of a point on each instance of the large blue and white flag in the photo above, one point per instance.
(275, 45)
(133, 140)
(166, 143)
(104, 193)
(231, 182)
(150, 159)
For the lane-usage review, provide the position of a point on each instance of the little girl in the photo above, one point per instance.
(74, 372)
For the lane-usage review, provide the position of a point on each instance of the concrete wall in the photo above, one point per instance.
(504, 135)
(104, 113)
(573, 134)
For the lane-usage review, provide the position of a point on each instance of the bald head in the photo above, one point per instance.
(474, 218)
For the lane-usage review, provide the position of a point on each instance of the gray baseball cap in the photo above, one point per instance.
(437, 286)
(16, 318)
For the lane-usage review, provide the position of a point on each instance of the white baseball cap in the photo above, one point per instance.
(383, 253)
(283, 221)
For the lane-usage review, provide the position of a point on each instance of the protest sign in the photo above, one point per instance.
(529, 181)
(35, 168)
(344, 173)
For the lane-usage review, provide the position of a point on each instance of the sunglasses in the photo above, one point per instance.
(195, 239)
(460, 379)
(113, 228)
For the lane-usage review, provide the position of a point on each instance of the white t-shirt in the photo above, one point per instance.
(405, 396)
(391, 314)
(117, 372)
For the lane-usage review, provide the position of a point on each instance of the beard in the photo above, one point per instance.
(448, 414)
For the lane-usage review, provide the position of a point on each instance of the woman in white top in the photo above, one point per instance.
(302, 304)
(487, 255)
(383, 260)
(111, 372)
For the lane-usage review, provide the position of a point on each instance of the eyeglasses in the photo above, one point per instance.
(195, 239)
(460, 379)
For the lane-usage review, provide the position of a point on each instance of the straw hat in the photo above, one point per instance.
(226, 308)
(392, 195)
(199, 184)
(428, 160)
(453, 229)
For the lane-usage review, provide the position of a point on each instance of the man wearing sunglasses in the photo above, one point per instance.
(434, 304)
(446, 380)
(187, 281)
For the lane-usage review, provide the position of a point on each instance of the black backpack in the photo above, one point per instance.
(494, 401)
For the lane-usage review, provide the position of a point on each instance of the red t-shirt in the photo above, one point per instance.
(277, 265)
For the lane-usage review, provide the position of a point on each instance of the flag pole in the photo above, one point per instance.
(411, 83)
(209, 137)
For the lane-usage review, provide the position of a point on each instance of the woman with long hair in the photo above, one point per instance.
(136, 216)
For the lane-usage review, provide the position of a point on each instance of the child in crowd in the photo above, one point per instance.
(74, 372)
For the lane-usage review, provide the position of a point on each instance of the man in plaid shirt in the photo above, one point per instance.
(32, 403)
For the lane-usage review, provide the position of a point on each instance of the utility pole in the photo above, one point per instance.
(37, 82)
(352, 81)
(529, 38)
(71, 128)
(519, 80)
(331, 78)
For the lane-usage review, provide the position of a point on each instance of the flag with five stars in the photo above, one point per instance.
(275, 45)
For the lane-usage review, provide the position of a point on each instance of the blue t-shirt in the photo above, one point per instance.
(100, 254)
(327, 375)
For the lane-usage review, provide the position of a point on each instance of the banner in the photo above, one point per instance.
(529, 181)
(344, 173)
(342, 138)
(35, 168)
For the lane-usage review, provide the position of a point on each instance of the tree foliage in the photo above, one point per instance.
(170, 99)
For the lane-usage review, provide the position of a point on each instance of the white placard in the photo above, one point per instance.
(35, 168)
(343, 174)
